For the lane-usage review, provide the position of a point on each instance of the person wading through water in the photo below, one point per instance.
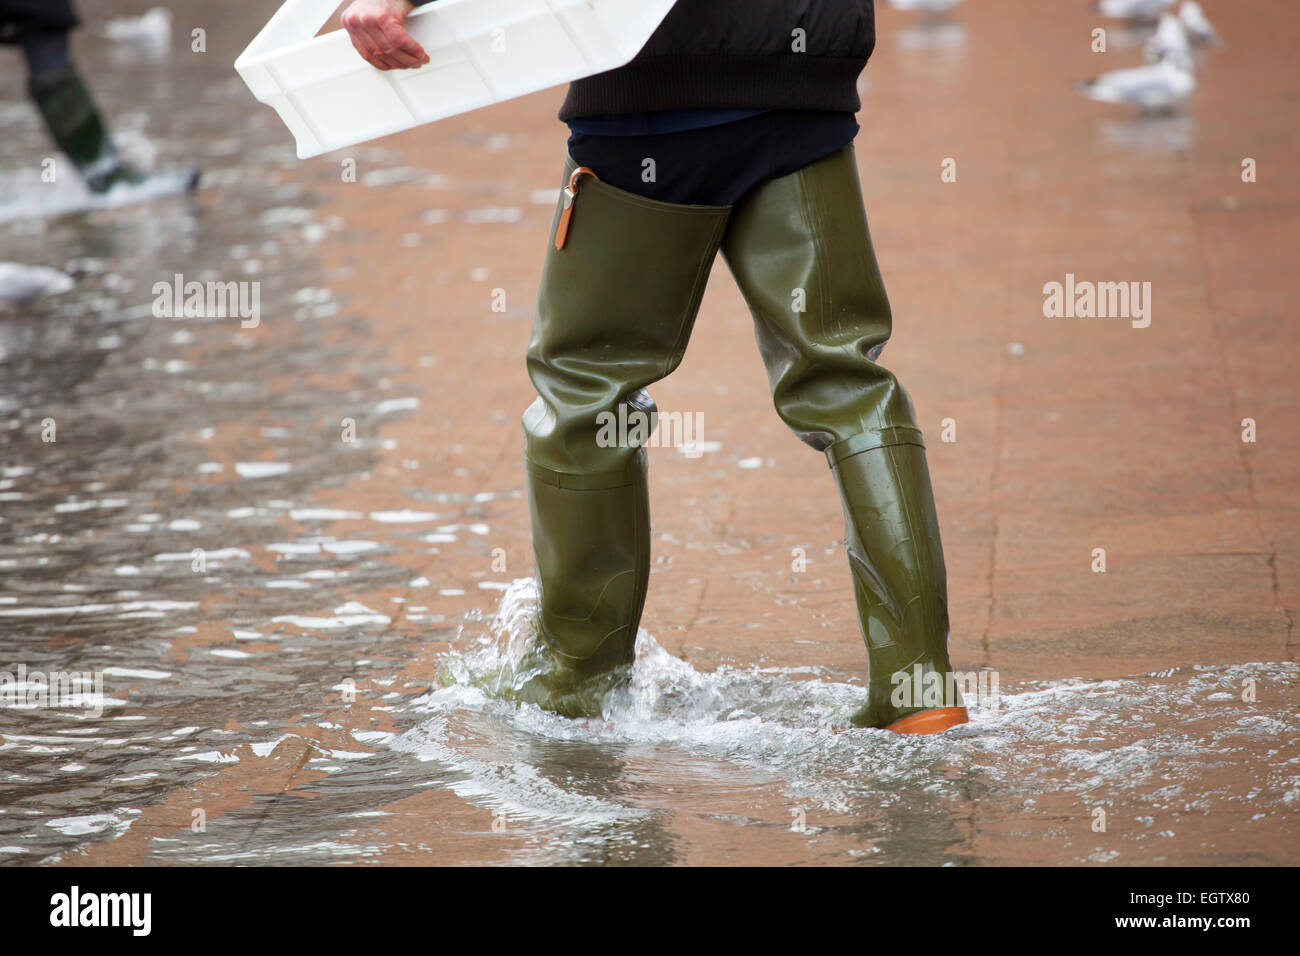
(746, 108)
(40, 29)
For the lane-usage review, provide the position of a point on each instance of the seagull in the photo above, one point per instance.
(1155, 88)
(1194, 19)
(1170, 39)
(1134, 9)
(924, 6)
(21, 283)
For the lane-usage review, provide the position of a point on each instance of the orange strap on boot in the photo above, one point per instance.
(570, 194)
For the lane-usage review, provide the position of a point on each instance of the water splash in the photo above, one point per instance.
(1068, 743)
(39, 200)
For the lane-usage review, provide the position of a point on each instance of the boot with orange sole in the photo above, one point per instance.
(800, 250)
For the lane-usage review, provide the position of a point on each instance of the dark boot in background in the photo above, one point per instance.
(74, 123)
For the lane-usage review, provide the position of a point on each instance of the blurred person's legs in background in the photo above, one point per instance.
(40, 28)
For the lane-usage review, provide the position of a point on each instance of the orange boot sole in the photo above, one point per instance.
(930, 721)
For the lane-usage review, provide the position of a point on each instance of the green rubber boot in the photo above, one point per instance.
(899, 581)
(620, 290)
(800, 250)
(75, 125)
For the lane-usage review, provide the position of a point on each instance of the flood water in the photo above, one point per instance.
(182, 536)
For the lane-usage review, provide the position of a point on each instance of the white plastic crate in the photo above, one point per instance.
(480, 52)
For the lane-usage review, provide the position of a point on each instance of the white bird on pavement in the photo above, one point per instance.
(923, 6)
(1155, 88)
(1145, 10)
(1197, 24)
(1170, 38)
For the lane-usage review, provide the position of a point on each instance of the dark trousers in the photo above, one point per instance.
(715, 165)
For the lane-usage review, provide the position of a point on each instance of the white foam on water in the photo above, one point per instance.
(322, 514)
(350, 546)
(404, 516)
(127, 607)
(217, 554)
(409, 403)
(295, 547)
(138, 672)
(351, 614)
(37, 200)
(118, 821)
(1090, 738)
(261, 469)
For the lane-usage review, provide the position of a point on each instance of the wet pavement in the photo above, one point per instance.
(289, 549)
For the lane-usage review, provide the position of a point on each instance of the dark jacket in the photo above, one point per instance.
(34, 16)
(743, 54)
